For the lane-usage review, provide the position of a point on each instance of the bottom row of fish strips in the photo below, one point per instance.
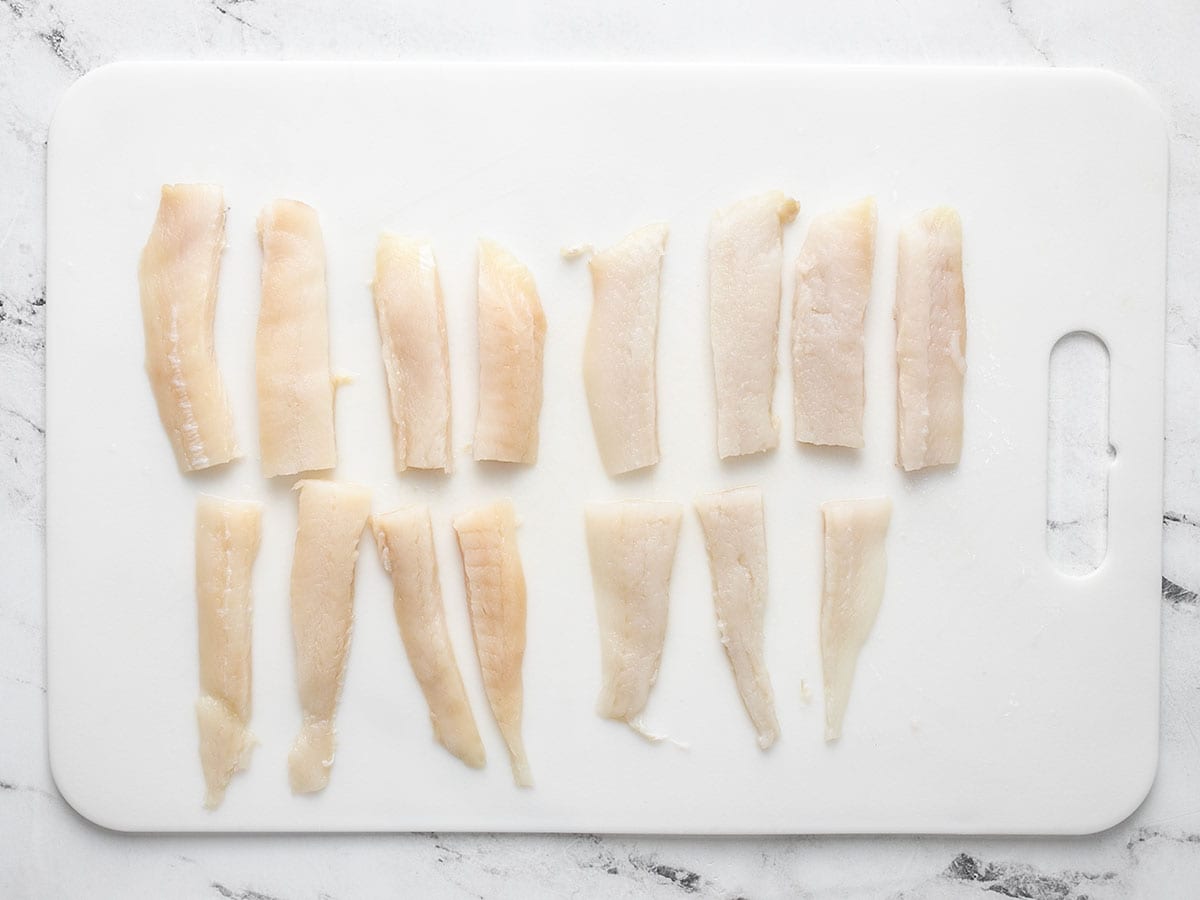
(631, 546)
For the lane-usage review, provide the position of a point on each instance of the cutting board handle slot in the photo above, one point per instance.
(1079, 454)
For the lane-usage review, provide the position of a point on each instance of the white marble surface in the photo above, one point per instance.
(48, 851)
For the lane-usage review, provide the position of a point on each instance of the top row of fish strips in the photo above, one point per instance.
(179, 273)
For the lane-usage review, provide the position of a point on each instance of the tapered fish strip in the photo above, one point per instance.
(331, 520)
(178, 279)
(745, 258)
(512, 335)
(405, 541)
(619, 353)
(295, 385)
(855, 570)
(736, 540)
(631, 545)
(487, 540)
(416, 356)
(833, 285)
(228, 533)
(931, 340)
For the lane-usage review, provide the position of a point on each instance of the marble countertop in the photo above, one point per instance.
(46, 850)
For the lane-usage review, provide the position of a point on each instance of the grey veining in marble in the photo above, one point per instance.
(48, 851)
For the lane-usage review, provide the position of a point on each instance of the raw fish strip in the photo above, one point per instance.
(416, 356)
(931, 340)
(620, 349)
(405, 541)
(631, 545)
(833, 285)
(330, 522)
(745, 257)
(512, 335)
(178, 279)
(736, 540)
(487, 540)
(855, 571)
(228, 533)
(295, 386)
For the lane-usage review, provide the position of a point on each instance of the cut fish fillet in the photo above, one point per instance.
(631, 545)
(512, 335)
(487, 540)
(736, 540)
(295, 385)
(228, 533)
(833, 285)
(745, 258)
(620, 349)
(931, 340)
(178, 278)
(855, 570)
(416, 355)
(405, 541)
(331, 520)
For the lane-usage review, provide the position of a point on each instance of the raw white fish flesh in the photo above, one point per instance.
(416, 355)
(745, 258)
(631, 545)
(228, 533)
(404, 538)
(295, 385)
(833, 285)
(331, 519)
(619, 353)
(487, 540)
(512, 337)
(736, 541)
(177, 275)
(931, 340)
(855, 571)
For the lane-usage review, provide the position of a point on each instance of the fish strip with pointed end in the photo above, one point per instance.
(855, 572)
(512, 338)
(178, 275)
(295, 383)
(487, 541)
(331, 519)
(228, 533)
(833, 285)
(404, 538)
(745, 260)
(931, 340)
(416, 353)
(620, 350)
(736, 540)
(631, 547)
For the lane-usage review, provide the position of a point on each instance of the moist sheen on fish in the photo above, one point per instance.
(931, 340)
(295, 384)
(404, 538)
(178, 275)
(833, 285)
(416, 354)
(736, 540)
(745, 258)
(620, 350)
(512, 337)
(228, 533)
(495, 580)
(855, 571)
(331, 519)
(631, 546)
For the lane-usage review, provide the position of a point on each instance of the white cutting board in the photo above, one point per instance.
(994, 694)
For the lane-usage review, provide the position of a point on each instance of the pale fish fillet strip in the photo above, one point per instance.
(331, 519)
(228, 533)
(495, 580)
